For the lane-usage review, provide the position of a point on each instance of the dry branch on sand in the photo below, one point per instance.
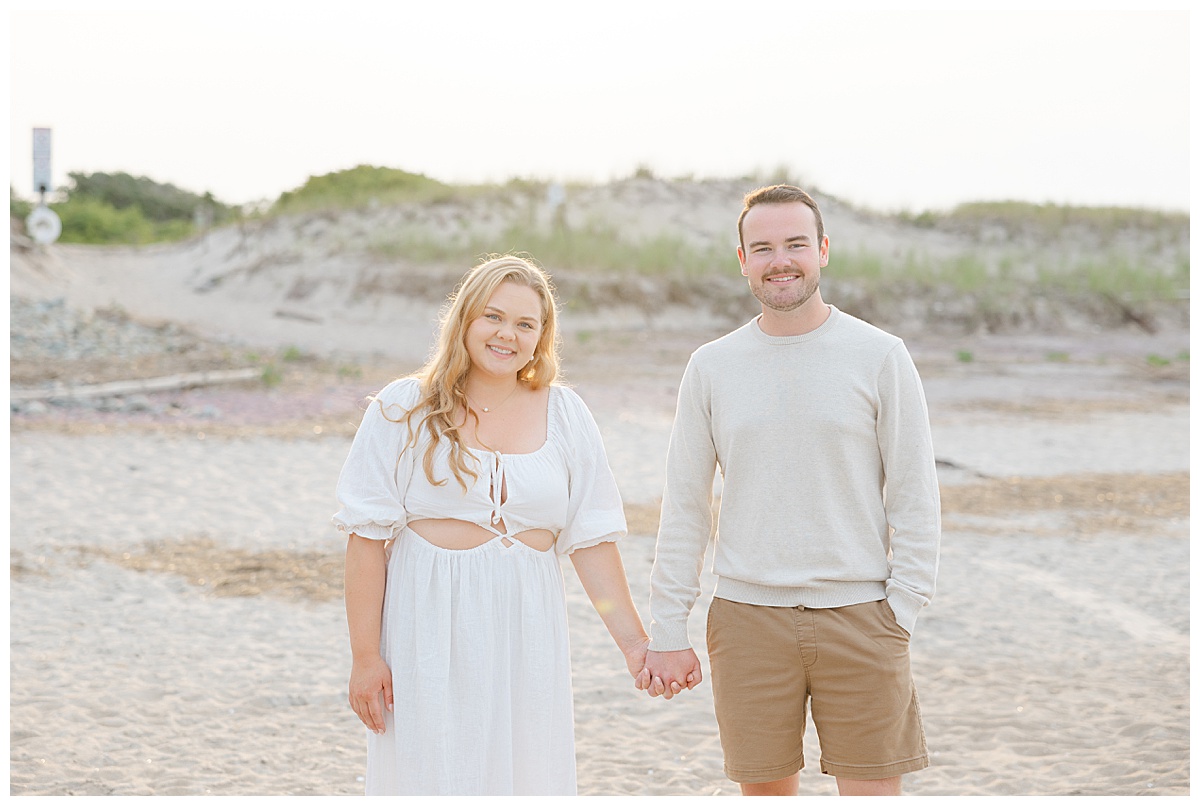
(187, 380)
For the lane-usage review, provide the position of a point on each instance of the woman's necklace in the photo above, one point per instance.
(487, 409)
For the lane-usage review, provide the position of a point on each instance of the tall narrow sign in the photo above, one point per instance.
(41, 161)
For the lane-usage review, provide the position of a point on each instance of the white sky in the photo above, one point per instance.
(894, 110)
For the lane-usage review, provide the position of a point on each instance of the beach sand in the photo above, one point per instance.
(176, 625)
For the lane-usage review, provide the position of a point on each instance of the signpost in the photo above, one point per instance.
(43, 224)
(41, 162)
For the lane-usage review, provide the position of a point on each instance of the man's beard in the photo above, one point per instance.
(809, 287)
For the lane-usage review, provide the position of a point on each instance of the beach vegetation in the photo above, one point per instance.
(593, 247)
(861, 265)
(18, 208)
(923, 220)
(157, 201)
(781, 174)
(117, 208)
(1114, 275)
(360, 187)
(970, 280)
(992, 219)
(92, 221)
(271, 375)
(984, 259)
(1108, 271)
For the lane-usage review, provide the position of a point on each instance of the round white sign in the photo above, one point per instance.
(43, 225)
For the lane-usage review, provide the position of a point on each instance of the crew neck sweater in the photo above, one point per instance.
(829, 493)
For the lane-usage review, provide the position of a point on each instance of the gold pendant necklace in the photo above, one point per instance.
(487, 409)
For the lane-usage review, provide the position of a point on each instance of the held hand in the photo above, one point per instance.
(669, 673)
(369, 679)
(635, 658)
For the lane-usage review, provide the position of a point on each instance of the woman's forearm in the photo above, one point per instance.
(603, 576)
(366, 577)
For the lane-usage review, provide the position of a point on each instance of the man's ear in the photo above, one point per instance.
(825, 251)
(742, 261)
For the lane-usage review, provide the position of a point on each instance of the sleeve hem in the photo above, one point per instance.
(371, 531)
(673, 639)
(611, 537)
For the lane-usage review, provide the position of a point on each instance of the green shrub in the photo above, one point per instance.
(18, 208)
(103, 208)
(89, 221)
(157, 202)
(360, 186)
(271, 376)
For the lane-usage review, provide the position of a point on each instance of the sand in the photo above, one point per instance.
(176, 625)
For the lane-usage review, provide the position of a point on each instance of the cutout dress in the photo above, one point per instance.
(477, 638)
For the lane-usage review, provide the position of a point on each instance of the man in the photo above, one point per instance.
(828, 534)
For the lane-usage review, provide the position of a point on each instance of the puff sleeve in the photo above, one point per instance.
(594, 511)
(373, 481)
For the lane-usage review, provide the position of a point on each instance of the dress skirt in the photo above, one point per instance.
(477, 643)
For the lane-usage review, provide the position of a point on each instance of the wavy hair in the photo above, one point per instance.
(779, 194)
(443, 377)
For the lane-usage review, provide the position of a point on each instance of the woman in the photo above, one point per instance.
(464, 485)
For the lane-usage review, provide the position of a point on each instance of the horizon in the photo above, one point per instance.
(910, 111)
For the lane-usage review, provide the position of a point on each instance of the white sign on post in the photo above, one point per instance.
(41, 161)
(43, 224)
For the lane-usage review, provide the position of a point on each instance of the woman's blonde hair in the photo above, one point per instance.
(444, 375)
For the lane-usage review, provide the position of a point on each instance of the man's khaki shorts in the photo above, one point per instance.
(852, 663)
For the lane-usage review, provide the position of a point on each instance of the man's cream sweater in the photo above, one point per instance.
(829, 491)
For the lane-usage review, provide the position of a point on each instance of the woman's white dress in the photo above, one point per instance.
(477, 639)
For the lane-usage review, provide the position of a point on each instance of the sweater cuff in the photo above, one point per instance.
(669, 637)
(905, 606)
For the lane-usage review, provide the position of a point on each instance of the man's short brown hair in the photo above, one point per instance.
(780, 194)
